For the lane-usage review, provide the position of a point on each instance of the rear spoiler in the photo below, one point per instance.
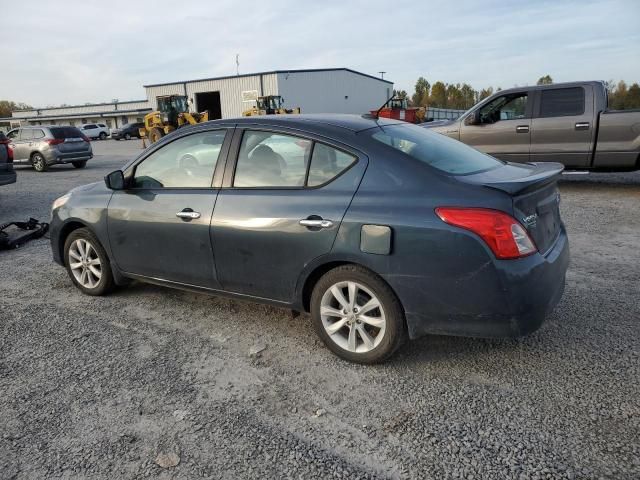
(517, 178)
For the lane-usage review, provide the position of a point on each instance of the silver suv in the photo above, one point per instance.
(43, 146)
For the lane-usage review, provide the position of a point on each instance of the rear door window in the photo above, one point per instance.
(268, 159)
(436, 150)
(562, 102)
(38, 134)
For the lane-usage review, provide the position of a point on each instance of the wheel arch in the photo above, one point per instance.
(67, 229)
(310, 277)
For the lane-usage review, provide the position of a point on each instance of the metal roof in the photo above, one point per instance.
(78, 106)
(270, 73)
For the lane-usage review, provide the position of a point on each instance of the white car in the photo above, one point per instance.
(95, 130)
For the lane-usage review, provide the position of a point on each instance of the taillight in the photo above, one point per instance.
(85, 138)
(506, 237)
(10, 152)
(54, 141)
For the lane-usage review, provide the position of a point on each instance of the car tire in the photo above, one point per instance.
(155, 134)
(87, 263)
(81, 164)
(127, 136)
(102, 136)
(38, 162)
(362, 336)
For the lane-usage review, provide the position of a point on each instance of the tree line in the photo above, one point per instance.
(463, 96)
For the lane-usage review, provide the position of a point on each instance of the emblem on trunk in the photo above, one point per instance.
(531, 220)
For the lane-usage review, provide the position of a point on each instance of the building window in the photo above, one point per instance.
(139, 119)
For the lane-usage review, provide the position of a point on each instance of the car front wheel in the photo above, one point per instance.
(103, 136)
(357, 315)
(127, 136)
(87, 263)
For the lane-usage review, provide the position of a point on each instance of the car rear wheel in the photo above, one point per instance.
(81, 164)
(87, 263)
(357, 315)
(127, 136)
(38, 162)
(102, 136)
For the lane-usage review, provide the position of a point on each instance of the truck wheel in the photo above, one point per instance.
(357, 315)
(38, 162)
(155, 134)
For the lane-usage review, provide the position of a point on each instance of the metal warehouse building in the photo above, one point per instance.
(334, 90)
(328, 90)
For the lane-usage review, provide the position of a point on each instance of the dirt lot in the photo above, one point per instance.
(111, 387)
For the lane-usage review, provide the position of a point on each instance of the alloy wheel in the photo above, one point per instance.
(84, 263)
(353, 317)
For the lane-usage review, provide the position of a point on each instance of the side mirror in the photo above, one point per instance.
(115, 180)
(474, 118)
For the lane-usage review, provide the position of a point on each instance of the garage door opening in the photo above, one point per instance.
(209, 101)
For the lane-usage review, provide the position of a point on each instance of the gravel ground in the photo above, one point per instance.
(128, 385)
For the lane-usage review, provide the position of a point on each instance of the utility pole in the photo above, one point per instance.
(382, 74)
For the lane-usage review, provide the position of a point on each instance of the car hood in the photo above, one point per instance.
(95, 186)
(116, 130)
(438, 123)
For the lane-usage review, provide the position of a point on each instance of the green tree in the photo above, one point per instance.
(7, 106)
(400, 93)
(468, 96)
(438, 97)
(546, 80)
(484, 93)
(421, 95)
(618, 98)
(633, 96)
(454, 96)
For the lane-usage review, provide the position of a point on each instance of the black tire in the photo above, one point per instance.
(155, 134)
(81, 164)
(395, 328)
(38, 162)
(102, 136)
(127, 136)
(106, 283)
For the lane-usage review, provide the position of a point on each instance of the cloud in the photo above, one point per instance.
(91, 52)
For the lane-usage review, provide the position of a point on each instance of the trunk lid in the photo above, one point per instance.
(536, 199)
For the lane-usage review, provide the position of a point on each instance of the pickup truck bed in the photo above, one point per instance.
(618, 139)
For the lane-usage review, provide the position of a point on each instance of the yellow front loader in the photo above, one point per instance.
(270, 105)
(173, 112)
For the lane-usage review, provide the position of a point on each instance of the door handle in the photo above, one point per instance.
(522, 128)
(582, 126)
(316, 223)
(188, 214)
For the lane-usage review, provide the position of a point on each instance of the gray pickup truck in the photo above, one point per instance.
(566, 122)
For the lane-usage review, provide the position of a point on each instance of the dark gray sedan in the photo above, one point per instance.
(380, 229)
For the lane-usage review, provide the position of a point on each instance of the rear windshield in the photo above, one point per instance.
(434, 149)
(65, 132)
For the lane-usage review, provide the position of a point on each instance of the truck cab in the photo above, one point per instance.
(554, 123)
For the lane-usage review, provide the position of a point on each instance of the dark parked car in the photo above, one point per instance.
(7, 175)
(127, 132)
(380, 229)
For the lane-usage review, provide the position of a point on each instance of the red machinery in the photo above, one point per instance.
(398, 109)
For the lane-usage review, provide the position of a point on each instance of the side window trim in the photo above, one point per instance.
(217, 173)
(234, 152)
(528, 108)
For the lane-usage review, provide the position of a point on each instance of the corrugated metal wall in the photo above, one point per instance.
(336, 91)
(230, 91)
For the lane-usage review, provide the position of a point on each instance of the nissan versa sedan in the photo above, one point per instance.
(380, 229)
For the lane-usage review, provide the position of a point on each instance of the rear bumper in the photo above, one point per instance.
(54, 157)
(523, 292)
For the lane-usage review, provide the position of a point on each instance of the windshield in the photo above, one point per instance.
(434, 149)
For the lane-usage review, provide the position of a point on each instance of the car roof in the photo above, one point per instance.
(598, 83)
(354, 123)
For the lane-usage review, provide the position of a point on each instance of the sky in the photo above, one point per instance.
(75, 52)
